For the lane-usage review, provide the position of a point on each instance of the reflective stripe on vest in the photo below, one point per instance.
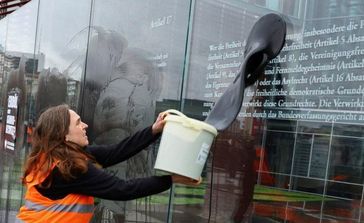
(78, 208)
(40, 209)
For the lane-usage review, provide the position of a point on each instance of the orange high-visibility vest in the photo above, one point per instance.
(39, 209)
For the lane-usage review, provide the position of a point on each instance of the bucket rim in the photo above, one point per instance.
(192, 123)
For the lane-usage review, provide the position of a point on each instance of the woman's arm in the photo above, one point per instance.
(108, 155)
(97, 183)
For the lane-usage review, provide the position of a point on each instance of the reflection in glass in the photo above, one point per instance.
(279, 151)
(343, 210)
(134, 63)
(3, 66)
(124, 103)
(294, 157)
(61, 49)
(299, 147)
(346, 162)
(16, 74)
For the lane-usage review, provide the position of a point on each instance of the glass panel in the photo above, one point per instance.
(295, 152)
(3, 67)
(216, 54)
(346, 160)
(61, 49)
(309, 97)
(134, 71)
(3, 64)
(17, 41)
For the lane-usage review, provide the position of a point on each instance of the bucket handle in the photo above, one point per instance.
(187, 121)
(174, 111)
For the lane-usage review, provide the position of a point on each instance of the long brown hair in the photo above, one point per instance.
(49, 147)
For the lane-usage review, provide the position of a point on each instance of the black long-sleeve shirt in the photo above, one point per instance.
(98, 183)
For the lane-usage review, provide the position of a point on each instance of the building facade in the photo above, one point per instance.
(295, 153)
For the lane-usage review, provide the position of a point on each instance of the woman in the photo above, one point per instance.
(62, 172)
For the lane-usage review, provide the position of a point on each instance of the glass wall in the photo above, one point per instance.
(134, 71)
(17, 67)
(294, 153)
(61, 49)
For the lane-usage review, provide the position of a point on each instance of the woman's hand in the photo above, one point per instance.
(158, 125)
(185, 180)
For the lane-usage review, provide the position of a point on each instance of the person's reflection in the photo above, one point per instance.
(104, 52)
(265, 162)
(249, 141)
(120, 93)
(233, 173)
(345, 157)
(127, 104)
(127, 101)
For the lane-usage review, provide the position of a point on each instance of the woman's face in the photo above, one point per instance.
(77, 130)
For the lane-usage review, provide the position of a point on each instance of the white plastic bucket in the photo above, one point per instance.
(185, 145)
